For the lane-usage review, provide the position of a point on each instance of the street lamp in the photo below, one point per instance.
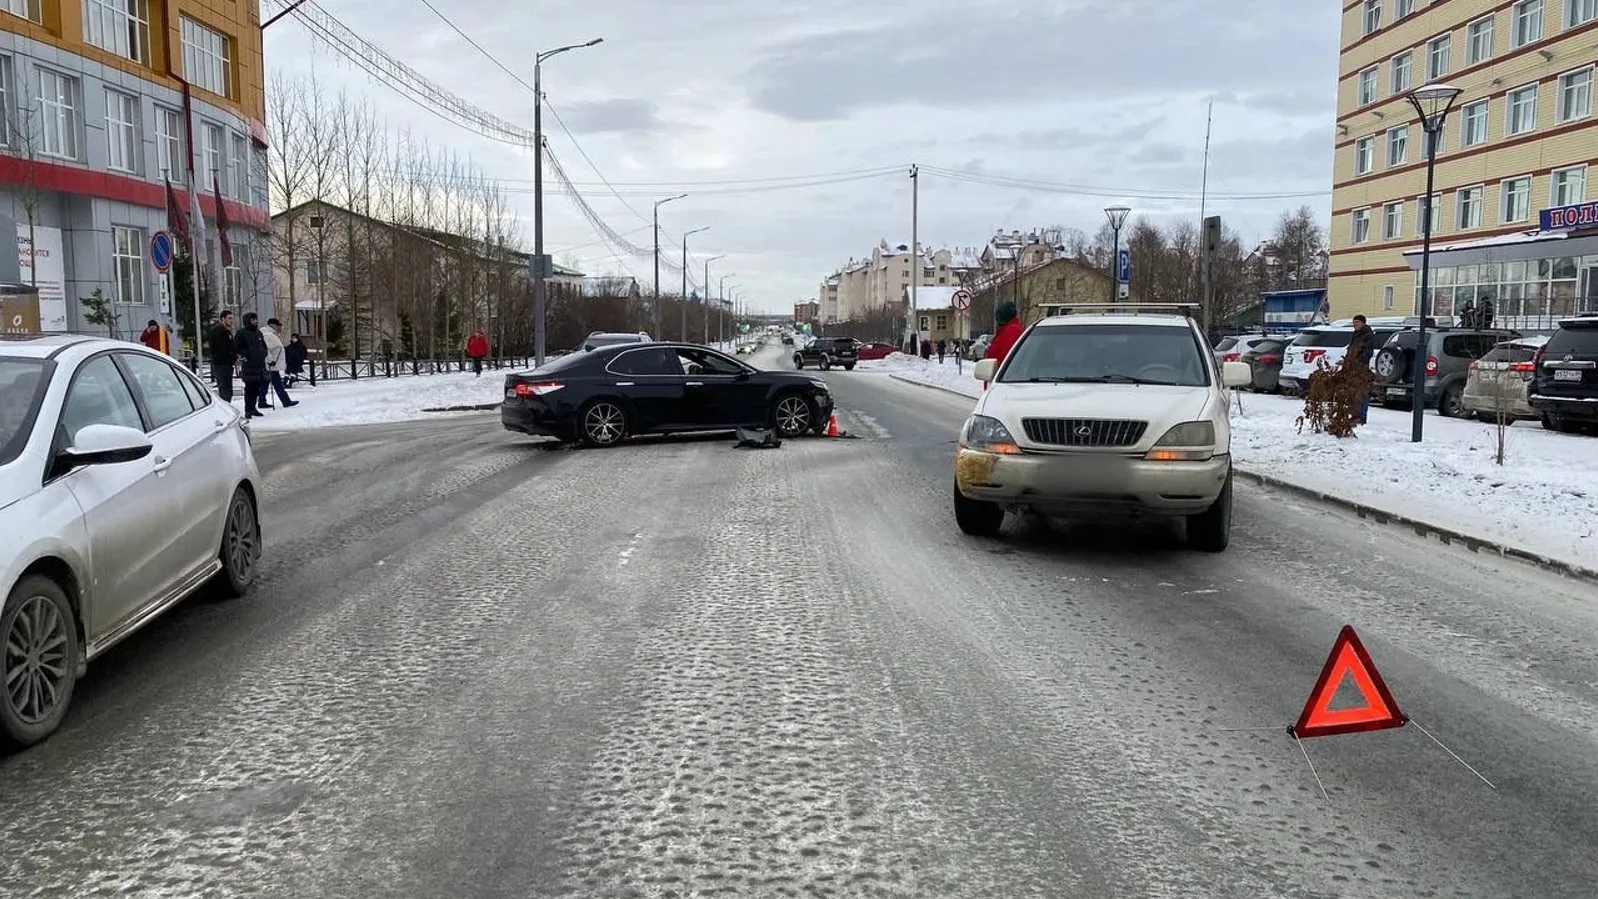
(721, 306)
(704, 301)
(655, 311)
(1432, 103)
(541, 265)
(682, 302)
(1117, 216)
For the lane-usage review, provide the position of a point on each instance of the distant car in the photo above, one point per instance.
(1564, 385)
(1447, 359)
(828, 352)
(875, 351)
(125, 486)
(1264, 360)
(1496, 383)
(603, 339)
(1321, 345)
(603, 397)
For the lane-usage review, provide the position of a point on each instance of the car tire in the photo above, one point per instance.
(37, 614)
(1391, 365)
(792, 415)
(1451, 404)
(799, 362)
(240, 553)
(1210, 531)
(849, 366)
(603, 423)
(825, 363)
(975, 517)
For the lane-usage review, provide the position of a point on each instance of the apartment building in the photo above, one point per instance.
(98, 99)
(1512, 213)
(877, 282)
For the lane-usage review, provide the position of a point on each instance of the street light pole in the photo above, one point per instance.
(1432, 103)
(704, 301)
(1117, 216)
(721, 307)
(682, 301)
(540, 264)
(654, 313)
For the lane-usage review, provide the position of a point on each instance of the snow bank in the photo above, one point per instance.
(950, 375)
(378, 400)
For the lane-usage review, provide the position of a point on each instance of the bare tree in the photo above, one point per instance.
(21, 135)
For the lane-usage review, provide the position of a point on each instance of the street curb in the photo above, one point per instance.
(480, 407)
(1444, 535)
(897, 376)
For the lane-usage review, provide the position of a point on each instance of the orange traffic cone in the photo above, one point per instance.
(832, 425)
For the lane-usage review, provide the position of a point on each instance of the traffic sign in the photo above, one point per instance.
(1123, 290)
(1123, 266)
(1377, 711)
(161, 250)
(961, 300)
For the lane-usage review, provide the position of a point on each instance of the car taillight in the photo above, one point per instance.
(1537, 359)
(538, 388)
(1524, 368)
(1472, 366)
(1312, 355)
(1270, 359)
(1230, 357)
(1431, 366)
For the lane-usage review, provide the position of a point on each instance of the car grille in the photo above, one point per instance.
(1095, 432)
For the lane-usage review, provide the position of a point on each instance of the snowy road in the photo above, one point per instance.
(481, 668)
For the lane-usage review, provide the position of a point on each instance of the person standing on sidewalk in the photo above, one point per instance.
(477, 350)
(154, 337)
(224, 355)
(274, 367)
(251, 349)
(1360, 349)
(294, 356)
(1005, 335)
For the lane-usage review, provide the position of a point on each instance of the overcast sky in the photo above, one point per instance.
(748, 107)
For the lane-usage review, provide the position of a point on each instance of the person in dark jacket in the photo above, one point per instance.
(224, 355)
(294, 356)
(1360, 349)
(251, 348)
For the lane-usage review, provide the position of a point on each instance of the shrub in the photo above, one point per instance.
(1331, 404)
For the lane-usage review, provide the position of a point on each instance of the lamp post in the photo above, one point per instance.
(654, 314)
(721, 307)
(682, 301)
(1117, 216)
(1432, 103)
(541, 264)
(704, 301)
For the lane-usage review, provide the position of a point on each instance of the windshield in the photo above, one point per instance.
(1112, 354)
(22, 383)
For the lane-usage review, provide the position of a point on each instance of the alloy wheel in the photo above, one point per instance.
(793, 415)
(605, 423)
(36, 664)
(243, 547)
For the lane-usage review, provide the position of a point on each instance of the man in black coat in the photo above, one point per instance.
(251, 348)
(224, 356)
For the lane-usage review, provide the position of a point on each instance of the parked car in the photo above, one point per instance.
(979, 347)
(603, 397)
(875, 351)
(1496, 383)
(1264, 361)
(1232, 348)
(125, 486)
(1320, 344)
(603, 339)
(1564, 384)
(828, 352)
(1105, 411)
(1449, 353)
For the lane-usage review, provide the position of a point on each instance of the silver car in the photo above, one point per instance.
(125, 486)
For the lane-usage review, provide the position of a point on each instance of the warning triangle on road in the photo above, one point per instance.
(1349, 660)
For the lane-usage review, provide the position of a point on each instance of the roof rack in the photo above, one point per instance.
(1182, 309)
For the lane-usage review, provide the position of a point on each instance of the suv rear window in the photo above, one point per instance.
(1581, 340)
(1468, 346)
(1323, 338)
(1225, 344)
(1110, 354)
(1509, 353)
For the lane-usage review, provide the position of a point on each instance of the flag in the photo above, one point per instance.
(176, 221)
(221, 223)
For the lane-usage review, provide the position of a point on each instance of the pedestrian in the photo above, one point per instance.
(1005, 335)
(476, 350)
(155, 337)
(1358, 359)
(943, 349)
(294, 355)
(926, 349)
(274, 366)
(250, 348)
(224, 355)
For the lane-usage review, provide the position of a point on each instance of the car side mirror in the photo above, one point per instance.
(1236, 374)
(106, 445)
(985, 369)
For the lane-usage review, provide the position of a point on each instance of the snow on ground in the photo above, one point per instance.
(376, 400)
(1543, 499)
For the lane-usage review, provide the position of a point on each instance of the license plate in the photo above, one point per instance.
(1567, 374)
(1396, 391)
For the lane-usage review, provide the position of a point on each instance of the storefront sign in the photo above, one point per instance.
(1581, 215)
(19, 314)
(44, 266)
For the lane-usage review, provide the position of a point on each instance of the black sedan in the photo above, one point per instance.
(603, 397)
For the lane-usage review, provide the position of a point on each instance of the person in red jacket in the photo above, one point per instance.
(477, 350)
(154, 337)
(1005, 336)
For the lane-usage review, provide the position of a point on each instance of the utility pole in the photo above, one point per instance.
(721, 307)
(541, 266)
(682, 301)
(704, 301)
(654, 314)
(912, 320)
(1207, 262)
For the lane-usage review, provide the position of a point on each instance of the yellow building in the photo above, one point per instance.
(1511, 191)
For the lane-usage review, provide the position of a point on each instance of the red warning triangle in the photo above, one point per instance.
(1379, 711)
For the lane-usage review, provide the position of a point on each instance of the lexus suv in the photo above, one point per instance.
(1102, 411)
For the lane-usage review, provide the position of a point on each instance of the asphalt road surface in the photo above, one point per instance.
(477, 667)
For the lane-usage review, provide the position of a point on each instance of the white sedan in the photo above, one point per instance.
(125, 486)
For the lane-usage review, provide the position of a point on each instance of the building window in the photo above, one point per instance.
(1469, 213)
(210, 157)
(1434, 206)
(943, 322)
(206, 60)
(232, 285)
(1575, 95)
(1567, 187)
(1397, 145)
(169, 153)
(1437, 53)
(1387, 298)
(1403, 8)
(120, 26)
(1580, 12)
(1517, 200)
(1367, 86)
(122, 131)
(1403, 71)
(239, 175)
(1479, 41)
(31, 10)
(127, 265)
(1393, 221)
(1473, 124)
(1362, 225)
(7, 92)
(1528, 17)
(58, 108)
(1364, 155)
(1373, 15)
(1522, 109)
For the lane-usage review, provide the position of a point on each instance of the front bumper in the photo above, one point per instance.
(1064, 483)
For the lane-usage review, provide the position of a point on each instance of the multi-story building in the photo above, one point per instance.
(806, 311)
(1511, 212)
(876, 283)
(98, 102)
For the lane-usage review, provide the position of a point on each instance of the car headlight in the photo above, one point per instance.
(1190, 441)
(988, 435)
(819, 385)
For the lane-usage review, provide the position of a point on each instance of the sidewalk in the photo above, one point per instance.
(378, 400)
(1543, 500)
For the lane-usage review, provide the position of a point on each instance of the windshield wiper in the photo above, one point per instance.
(1100, 379)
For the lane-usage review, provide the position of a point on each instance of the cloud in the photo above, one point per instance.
(620, 115)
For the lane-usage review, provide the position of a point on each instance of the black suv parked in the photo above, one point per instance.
(1564, 380)
(1449, 353)
(826, 352)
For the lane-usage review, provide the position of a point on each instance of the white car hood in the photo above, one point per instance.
(1160, 406)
